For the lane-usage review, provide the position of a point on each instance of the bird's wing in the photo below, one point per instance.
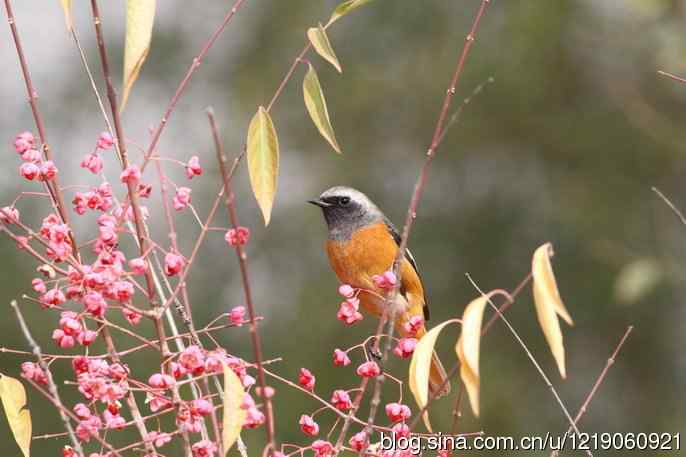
(410, 258)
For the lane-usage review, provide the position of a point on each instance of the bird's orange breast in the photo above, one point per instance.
(371, 251)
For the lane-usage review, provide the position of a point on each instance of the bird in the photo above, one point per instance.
(362, 242)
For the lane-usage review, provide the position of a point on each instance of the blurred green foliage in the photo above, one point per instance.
(564, 146)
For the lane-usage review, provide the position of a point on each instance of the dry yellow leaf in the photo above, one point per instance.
(140, 17)
(344, 8)
(316, 107)
(468, 347)
(420, 366)
(66, 6)
(320, 42)
(549, 304)
(234, 416)
(263, 160)
(13, 398)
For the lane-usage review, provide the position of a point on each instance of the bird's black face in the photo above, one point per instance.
(345, 210)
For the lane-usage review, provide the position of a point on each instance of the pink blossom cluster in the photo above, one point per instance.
(349, 310)
(33, 166)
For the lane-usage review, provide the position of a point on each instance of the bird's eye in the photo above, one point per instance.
(344, 200)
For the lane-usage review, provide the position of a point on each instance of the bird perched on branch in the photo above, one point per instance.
(363, 243)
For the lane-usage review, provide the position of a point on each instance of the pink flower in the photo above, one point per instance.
(308, 425)
(95, 304)
(348, 312)
(385, 281)
(9, 215)
(397, 412)
(29, 170)
(254, 419)
(204, 448)
(413, 325)
(158, 402)
(177, 370)
(193, 359)
(133, 317)
(322, 448)
(306, 379)
(53, 297)
(346, 290)
(182, 198)
(341, 400)
(86, 337)
(405, 347)
(193, 167)
(38, 285)
(340, 358)
(82, 411)
(68, 451)
(368, 370)
(358, 441)
(23, 142)
(118, 371)
(237, 236)
(201, 407)
(93, 163)
(159, 439)
(144, 190)
(48, 171)
(113, 421)
(161, 381)
(237, 315)
(269, 392)
(138, 266)
(400, 430)
(31, 155)
(33, 371)
(62, 340)
(130, 175)
(173, 264)
(88, 427)
(105, 140)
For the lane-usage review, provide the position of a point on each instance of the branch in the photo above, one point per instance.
(243, 264)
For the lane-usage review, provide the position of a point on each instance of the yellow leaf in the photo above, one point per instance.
(316, 106)
(467, 348)
(13, 398)
(263, 160)
(66, 6)
(549, 304)
(234, 415)
(321, 43)
(344, 8)
(420, 366)
(140, 16)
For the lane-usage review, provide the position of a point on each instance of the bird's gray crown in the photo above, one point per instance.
(346, 210)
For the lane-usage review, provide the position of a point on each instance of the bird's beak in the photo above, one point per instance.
(320, 203)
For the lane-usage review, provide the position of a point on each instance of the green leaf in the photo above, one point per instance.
(316, 106)
(420, 367)
(140, 16)
(13, 398)
(321, 43)
(234, 416)
(66, 6)
(263, 160)
(344, 8)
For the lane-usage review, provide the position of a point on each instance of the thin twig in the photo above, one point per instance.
(416, 196)
(52, 387)
(532, 359)
(598, 382)
(245, 277)
(671, 76)
(670, 204)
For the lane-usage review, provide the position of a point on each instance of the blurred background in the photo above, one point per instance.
(564, 146)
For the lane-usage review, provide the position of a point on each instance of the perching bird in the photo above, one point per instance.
(362, 242)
